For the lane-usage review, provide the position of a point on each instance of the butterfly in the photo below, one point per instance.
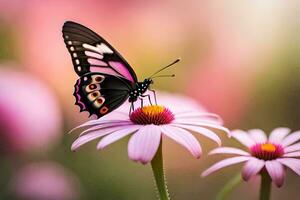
(106, 80)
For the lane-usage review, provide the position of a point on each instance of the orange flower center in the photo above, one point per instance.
(268, 147)
(267, 151)
(157, 115)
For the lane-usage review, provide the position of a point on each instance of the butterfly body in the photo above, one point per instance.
(139, 89)
(106, 80)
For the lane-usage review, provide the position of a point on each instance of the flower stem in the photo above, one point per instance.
(229, 186)
(265, 187)
(159, 175)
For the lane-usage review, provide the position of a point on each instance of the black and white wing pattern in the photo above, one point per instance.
(100, 93)
(91, 53)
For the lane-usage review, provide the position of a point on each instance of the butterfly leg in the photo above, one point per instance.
(154, 94)
(149, 98)
(131, 108)
(142, 101)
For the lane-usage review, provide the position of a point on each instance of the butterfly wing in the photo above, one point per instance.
(100, 93)
(91, 53)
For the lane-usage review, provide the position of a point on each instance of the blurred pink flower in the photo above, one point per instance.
(147, 126)
(30, 116)
(44, 181)
(272, 153)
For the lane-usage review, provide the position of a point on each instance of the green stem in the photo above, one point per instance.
(265, 187)
(159, 175)
(229, 186)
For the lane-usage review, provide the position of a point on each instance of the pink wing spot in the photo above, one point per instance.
(97, 62)
(92, 54)
(118, 66)
(104, 70)
(78, 96)
(82, 104)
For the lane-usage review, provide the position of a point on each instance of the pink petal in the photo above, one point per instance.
(224, 163)
(106, 125)
(184, 138)
(252, 167)
(203, 131)
(190, 121)
(290, 139)
(203, 124)
(116, 115)
(292, 163)
(92, 136)
(107, 140)
(243, 137)
(294, 147)
(277, 135)
(292, 154)
(97, 122)
(258, 135)
(210, 117)
(229, 150)
(144, 143)
(276, 171)
(189, 114)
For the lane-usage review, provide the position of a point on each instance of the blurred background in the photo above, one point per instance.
(240, 59)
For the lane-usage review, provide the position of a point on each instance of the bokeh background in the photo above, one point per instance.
(240, 59)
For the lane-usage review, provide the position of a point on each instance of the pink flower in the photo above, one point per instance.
(30, 116)
(272, 154)
(44, 180)
(147, 125)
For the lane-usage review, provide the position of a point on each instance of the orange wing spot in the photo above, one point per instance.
(98, 79)
(92, 86)
(100, 100)
(94, 94)
(103, 110)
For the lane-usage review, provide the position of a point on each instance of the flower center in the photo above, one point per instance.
(267, 151)
(157, 115)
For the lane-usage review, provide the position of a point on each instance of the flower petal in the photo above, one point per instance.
(106, 125)
(210, 117)
(229, 150)
(294, 147)
(97, 122)
(92, 136)
(203, 124)
(277, 135)
(276, 171)
(251, 168)
(116, 115)
(292, 163)
(292, 154)
(258, 135)
(203, 131)
(243, 137)
(224, 163)
(144, 143)
(184, 138)
(107, 140)
(290, 139)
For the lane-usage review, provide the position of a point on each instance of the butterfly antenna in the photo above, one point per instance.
(176, 61)
(165, 75)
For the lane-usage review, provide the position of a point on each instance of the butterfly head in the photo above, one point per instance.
(148, 81)
(143, 86)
